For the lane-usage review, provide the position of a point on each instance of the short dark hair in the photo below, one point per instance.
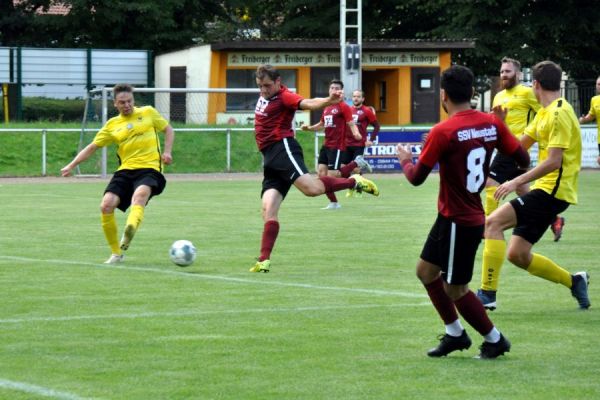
(336, 82)
(121, 88)
(267, 70)
(362, 92)
(548, 74)
(514, 62)
(457, 82)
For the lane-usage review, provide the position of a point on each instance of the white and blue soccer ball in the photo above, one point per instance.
(182, 253)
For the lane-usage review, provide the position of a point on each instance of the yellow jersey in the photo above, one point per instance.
(136, 136)
(557, 126)
(595, 111)
(521, 105)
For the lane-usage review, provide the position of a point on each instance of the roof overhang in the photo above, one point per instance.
(329, 44)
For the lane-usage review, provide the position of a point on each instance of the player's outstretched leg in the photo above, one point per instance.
(136, 215)
(261, 266)
(579, 289)
(494, 350)
(364, 185)
(115, 259)
(557, 227)
(363, 164)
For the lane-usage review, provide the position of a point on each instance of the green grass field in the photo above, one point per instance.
(341, 315)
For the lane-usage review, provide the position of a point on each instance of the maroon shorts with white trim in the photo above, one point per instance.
(283, 163)
(453, 248)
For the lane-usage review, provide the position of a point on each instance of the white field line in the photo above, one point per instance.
(37, 390)
(223, 278)
(192, 313)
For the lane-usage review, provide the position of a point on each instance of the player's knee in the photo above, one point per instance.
(517, 257)
(106, 208)
(492, 224)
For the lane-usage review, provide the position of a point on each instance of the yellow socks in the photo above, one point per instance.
(547, 269)
(490, 203)
(136, 215)
(493, 256)
(109, 227)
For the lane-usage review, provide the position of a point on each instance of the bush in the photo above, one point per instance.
(42, 108)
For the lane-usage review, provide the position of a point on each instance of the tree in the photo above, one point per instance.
(18, 22)
(564, 31)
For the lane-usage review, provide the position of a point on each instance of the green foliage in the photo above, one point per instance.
(341, 315)
(41, 108)
(561, 30)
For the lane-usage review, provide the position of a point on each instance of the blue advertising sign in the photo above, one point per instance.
(383, 156)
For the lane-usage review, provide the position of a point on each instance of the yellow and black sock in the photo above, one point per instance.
(135, 217)
(547, 269)
(490, 202)
(493, 257)
(109, 227)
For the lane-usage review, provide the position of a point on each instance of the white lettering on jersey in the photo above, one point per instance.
(488, 134)
(261, 105)
(328, 121)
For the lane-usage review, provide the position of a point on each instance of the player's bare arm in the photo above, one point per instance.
(318, 103)
(550, 164)
(586, 118)
(314, 128)
(500, 112)
(354, 130)
(404, 153)
(169, 138)
(79, 158)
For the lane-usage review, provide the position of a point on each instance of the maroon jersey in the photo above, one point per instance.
(273, 117)
(463, 146)
(363, 116)
(335, 120)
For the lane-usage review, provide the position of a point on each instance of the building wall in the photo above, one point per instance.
(209, 69)
(197, 61)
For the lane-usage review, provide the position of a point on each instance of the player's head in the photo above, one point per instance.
(546, 75)
(335, 85)
(457, 85)
(358, 97)
(123, 98)
(268, 80)
(598, 85)
(510, 69)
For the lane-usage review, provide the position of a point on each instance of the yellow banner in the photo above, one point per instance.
(325, 59)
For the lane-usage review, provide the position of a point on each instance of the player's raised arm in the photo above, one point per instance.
(318, 103)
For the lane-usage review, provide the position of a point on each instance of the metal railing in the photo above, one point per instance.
(45, 131)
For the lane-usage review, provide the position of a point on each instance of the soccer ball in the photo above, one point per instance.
(182, 253)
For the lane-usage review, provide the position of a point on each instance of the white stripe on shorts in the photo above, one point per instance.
(292, 159)
(336, 165)
(451, 253)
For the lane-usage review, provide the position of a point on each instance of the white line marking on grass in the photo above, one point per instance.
(38, 390)
(223, 278)
(192, 313)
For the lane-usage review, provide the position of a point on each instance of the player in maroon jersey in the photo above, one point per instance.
(283, 160)
(339, 128)
(363, 117)
(463, 146)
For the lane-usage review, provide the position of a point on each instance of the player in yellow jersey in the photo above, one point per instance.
(594, 114)
(557, 132)
(519, 105)
(139, 176)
